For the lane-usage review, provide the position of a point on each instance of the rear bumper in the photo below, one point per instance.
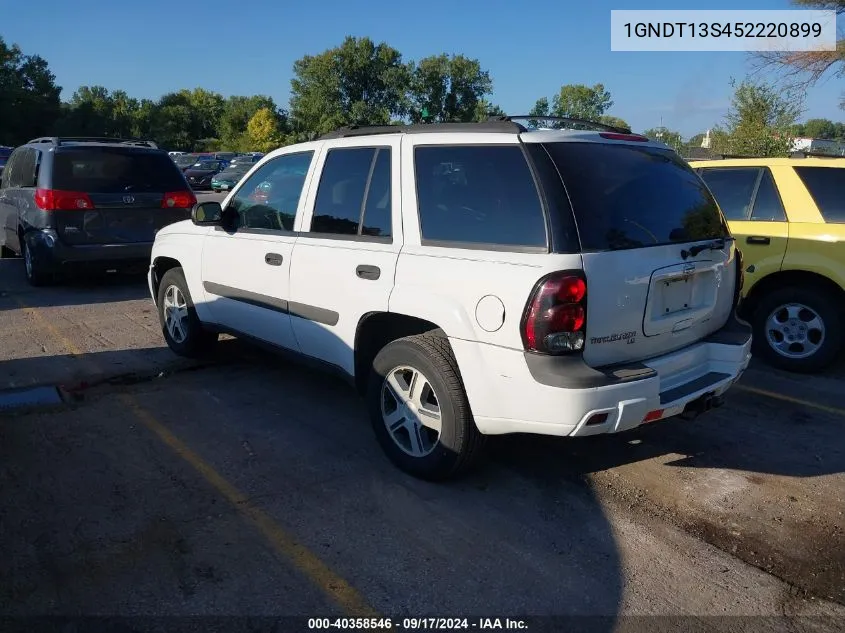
(514, 392)
(56, 256)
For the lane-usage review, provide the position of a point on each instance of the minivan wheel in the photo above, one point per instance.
(419, 409)
(798, 329)
(180, 324)
(35, 273)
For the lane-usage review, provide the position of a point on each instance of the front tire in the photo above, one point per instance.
(419, 409)
(799, 329)
(180, 324)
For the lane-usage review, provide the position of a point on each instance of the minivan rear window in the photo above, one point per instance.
(114, 170)
(627, 196)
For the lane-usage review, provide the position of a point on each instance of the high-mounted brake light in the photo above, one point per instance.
(555, 317)
(614, 136)
(58, 200)
(178, 200)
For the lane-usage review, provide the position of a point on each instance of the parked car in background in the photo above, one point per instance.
(229, 177)
(788, 215)
(74, 203)
(245, 159)
(470, 280)
(185, 161)
(5, 152)
(200, 173)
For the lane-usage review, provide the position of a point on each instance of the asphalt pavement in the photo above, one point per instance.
(250, 485)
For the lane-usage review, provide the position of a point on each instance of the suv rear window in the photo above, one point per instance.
(625, 196)
(827, 186)
(114, 170)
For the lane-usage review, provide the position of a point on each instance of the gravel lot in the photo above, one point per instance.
(251, 485)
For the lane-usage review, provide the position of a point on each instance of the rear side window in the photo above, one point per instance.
(483, 194)
(115, 170)
(627, 196)
(827, 186)
(733, 188)
(354, 196)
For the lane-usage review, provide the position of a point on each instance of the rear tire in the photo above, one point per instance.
(180, 324)
(7, 253)
(796, 311)
(36, 273)
(404, 420)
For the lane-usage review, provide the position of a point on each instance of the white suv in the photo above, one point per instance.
(471, 280)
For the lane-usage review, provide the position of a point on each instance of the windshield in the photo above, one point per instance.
(627, 196)
(113, 170)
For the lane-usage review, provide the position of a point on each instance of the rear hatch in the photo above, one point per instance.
(126, 188)
(656, 250)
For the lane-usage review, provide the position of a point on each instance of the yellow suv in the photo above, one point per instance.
(788, 215)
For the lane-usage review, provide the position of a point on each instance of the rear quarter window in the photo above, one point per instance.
(114, 170)
(482, 194)
(827, 187)
(628, 196)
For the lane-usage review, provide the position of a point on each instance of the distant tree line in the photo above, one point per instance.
(358, 82)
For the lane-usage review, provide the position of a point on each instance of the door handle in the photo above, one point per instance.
(274, 259)
(757, 239)
(368, 272)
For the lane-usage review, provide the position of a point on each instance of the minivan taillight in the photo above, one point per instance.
(555, 317)
(178, 200)
(58, 200)
(615, 136)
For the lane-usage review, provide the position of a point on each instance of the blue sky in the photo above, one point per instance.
(149, 47)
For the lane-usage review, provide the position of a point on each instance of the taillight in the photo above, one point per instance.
(57, 200)
(740, 271)
(614, 136)
(178, 200)
(555, 318)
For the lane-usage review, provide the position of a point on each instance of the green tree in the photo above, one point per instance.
(669, 137)
(263, 131)
(237, 112)
(819, 128)
(540, 109)
(358, 82)
(574, 101)
(581, 102)
(485, 110)
(695, 140)
(447, 88)
(29, 96)
(615, 121)
(760, 121)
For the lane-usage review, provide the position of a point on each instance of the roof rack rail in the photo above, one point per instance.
(62, 140)
(490, 126)
(811, 154)
(593, 125)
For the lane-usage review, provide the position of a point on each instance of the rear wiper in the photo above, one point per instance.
(715, 245)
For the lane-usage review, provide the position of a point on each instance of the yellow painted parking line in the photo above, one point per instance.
(287, 547)
(304, 560)
(785, 398)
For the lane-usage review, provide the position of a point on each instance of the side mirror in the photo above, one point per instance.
(207, 214)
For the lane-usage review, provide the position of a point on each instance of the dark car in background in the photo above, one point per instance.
(80, 203)
(247, 160)
(200, 174)
(5, 152)
(185, 161)
(229, 177)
